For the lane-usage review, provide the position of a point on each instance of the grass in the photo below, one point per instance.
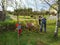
(31, 38)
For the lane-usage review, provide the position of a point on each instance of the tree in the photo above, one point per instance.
(57, 20)
(3, 14)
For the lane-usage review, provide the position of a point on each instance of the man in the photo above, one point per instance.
(43, 24)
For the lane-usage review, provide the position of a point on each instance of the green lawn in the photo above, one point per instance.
(31, 38)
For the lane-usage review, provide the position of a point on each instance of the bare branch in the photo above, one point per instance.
(50, 5)
(0, 5)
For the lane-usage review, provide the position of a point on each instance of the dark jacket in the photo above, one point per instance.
(39, 20)
(43, 20)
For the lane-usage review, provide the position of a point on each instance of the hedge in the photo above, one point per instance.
(11, 26)
(5, 26)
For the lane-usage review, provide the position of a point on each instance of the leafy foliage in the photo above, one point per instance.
(5, 26)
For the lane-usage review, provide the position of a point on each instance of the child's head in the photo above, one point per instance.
(19, 23)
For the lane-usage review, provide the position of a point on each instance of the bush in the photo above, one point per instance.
(10, 25)
(6, 25)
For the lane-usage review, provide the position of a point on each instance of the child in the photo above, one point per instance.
(19, 28)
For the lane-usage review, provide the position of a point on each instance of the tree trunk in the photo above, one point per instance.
(57, 20)
(3, 14)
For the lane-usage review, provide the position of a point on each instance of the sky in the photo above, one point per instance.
(34, 4)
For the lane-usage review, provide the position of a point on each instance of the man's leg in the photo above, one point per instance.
(41, 27)
(45, 27)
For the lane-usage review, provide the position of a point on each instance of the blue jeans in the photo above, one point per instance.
(43, 25)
